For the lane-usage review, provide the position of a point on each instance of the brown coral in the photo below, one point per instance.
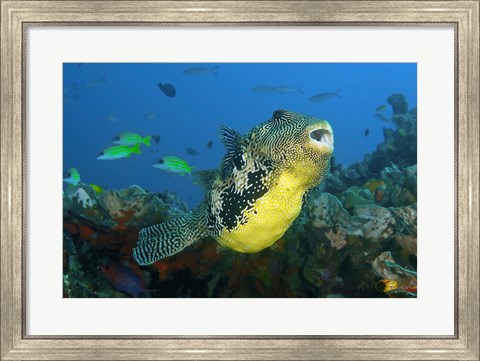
(408, 243)
(337, 240)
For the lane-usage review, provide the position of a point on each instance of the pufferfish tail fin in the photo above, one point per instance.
(168, 238)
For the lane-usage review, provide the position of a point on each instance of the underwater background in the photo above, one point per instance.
(355, 237)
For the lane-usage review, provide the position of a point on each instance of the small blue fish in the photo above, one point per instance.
(192, 151)
(167, 89)
(156, 138)
(123, 279)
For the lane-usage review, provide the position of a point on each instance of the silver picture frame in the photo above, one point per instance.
(17, 16)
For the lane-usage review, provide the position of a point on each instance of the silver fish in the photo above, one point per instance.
(112, 118)
(325, 96)
(151, 115)
(282, 89)
(200, 70)
(71, 89)
(70, 98)
(262, 89)
(96, 82)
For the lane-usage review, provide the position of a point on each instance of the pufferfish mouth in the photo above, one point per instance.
(322, 137)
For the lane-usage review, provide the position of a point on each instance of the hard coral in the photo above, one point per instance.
(337, 240)
(379, 221)
(398, 102)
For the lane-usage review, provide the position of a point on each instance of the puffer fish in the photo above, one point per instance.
(200, 70)
(72, 177)
(255, 194)
(325, 96)
(129, 138)
(118, 152)
(173, 164)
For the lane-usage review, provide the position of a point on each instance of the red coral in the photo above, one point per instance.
(124, 220)
(86, 231)
(72, 228)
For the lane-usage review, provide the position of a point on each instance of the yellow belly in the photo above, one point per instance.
(269, 218)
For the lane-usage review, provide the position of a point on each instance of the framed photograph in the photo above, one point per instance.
(240, 180)
(133, 187)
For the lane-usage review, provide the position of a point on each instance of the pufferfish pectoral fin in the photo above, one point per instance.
(205, 178)
(168, 238)
(230, 138)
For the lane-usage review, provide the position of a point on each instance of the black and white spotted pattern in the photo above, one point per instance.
(232, 198)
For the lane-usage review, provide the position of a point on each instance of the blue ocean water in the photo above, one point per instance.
(102, 100)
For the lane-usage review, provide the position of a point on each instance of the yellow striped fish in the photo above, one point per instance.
(129, 138)
(173, 164)
(118, 152)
